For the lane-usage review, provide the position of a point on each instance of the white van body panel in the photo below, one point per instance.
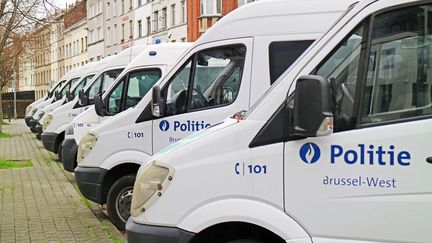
(166, 56)
(395, 208)
(246, 95)
(248, 211)
(62, 117)
(74, 73)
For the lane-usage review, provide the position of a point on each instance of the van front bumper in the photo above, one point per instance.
(156, 234)
(69, 154)
(49, 141)
(27, 120)
(39, 131)
(89, 180)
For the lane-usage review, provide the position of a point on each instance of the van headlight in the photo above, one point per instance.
(85, 145)
(149, 185)
(47, 121)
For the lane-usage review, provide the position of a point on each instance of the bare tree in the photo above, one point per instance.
(18, 18)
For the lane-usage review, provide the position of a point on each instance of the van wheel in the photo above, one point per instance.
(59, 150)
(119, 201)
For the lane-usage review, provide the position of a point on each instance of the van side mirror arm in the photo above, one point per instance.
(313, 107)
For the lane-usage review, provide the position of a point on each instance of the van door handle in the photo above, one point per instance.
(429, 160)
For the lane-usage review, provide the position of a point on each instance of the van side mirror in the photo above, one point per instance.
(313, 109)
(57, 95)
(99, 105)
(68, 96)
(82, 98)
(158, 105)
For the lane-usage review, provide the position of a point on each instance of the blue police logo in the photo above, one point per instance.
(164, 125)
(310, 153)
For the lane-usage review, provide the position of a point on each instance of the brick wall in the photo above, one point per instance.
(75, 14)
(195, 23)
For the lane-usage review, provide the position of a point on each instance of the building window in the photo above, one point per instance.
(139, 22)
(108, 11)
(122, 33)
(242, 2)
(100, 36)
(130, 29)
(155, 21)
(114, 39)
(139, 3)
(108, 36)
(183, 11)
(130, 5)
(122, 7)
(114, 8)
(210, 7)
(173, 15)
(164, 18)
(148, 26)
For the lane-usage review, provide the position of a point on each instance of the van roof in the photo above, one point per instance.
(165, 53)
(275, 17)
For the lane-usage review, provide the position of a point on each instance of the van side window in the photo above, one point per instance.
(176, 93)
(341, 68)
(283, 54)
(109, 78)
(217, 76)
(115, 97)
(399, 77)
(210, 78)
(140, 82)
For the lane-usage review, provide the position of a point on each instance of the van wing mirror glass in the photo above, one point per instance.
(82, 98)
(99, 105)
(158, 105)
(68, 96)
(57, 95)
(313, 109)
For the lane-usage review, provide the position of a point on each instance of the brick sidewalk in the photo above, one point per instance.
(41, 203)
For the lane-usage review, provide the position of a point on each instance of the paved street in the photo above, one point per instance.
(42, 203)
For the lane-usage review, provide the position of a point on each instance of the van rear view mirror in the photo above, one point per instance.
(82, 98)
(158, 106)
(313, 110)
(99, 105)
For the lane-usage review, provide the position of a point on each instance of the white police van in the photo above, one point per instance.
(33, 107)
(226, 70)
(71, 78)
(87, 73)
(103, 74)
(336, 151)
(153, 62)
(50, 139)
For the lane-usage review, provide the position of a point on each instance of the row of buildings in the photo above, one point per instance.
(93, 29)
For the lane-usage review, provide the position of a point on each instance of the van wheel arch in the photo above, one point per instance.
(236, 232)
(115, 174)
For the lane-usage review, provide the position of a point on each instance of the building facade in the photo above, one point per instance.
(41, 60)
(95, 25)
(57, 47)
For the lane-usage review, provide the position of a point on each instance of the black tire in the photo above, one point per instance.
(245, 241)
(119, 201)
(59, 150)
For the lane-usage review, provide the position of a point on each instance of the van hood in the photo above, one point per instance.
(197, 136)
